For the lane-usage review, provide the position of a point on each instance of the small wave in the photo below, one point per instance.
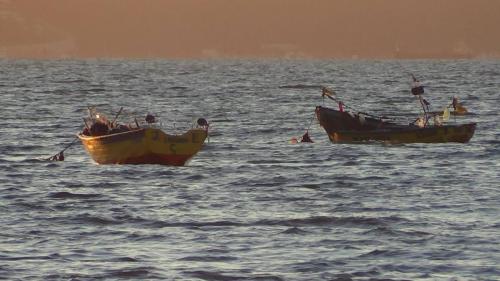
(221, 121)
(94, 90)
(300, 86)
(416, 233)
(370, 273)
(21, 258)
(294, 230)
(161, 224)
(35, 160)
(209, 258)
(125, 259)
(91, 219)
(99, 184)
(69, 81)
(69, 195)
(313, 186)
(293, 223)
(496, 225)
(323, 220)
(410, 237)
(146, 237)
(491, 270)
(195, 177)
(493, 142)
(178, 88)
(27, 147)
(69, 276)
(139, 272)
(269, 161)
(350, 163)
(55, 91)
(38, 206)
(342, 277)
(208, 275)
(375, 253)
(381, 230)
(446, 254)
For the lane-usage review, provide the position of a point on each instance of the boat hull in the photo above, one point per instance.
(342, 128)
(144, 146)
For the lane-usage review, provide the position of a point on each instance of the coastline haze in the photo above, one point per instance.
(249, 29)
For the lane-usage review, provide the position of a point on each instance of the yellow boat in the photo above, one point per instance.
(144, 146)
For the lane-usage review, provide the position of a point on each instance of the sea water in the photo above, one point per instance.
(251, 205)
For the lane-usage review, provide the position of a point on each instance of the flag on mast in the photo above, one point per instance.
(326, 92)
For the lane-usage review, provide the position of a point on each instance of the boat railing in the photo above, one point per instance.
(98, 124)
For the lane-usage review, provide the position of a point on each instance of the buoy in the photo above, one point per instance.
(202, 122)
(306, 137)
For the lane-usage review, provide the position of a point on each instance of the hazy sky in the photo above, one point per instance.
(249, 28)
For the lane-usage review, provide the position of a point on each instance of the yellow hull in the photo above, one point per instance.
(144, 146)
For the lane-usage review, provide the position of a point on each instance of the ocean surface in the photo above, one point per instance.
(251, 205)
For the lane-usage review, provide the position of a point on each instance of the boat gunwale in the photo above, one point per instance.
(134, 131)
(404, 128)
(393, 133)
(394, 127)
(85, 137)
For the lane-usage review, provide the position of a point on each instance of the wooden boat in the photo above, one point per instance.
(108, 142)
(144, 146)
(346, 127)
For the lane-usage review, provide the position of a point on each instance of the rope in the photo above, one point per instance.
(353, 109)
(60, 156)
(310, 123)
(307, 130)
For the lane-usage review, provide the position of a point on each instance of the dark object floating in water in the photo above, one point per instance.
(60, 155)
(306, 137)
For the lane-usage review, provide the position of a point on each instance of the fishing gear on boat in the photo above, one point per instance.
(116, 116)
(95, 129)
(329, 94)
(418, 90)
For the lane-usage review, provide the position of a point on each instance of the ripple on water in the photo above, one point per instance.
(250, 205)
